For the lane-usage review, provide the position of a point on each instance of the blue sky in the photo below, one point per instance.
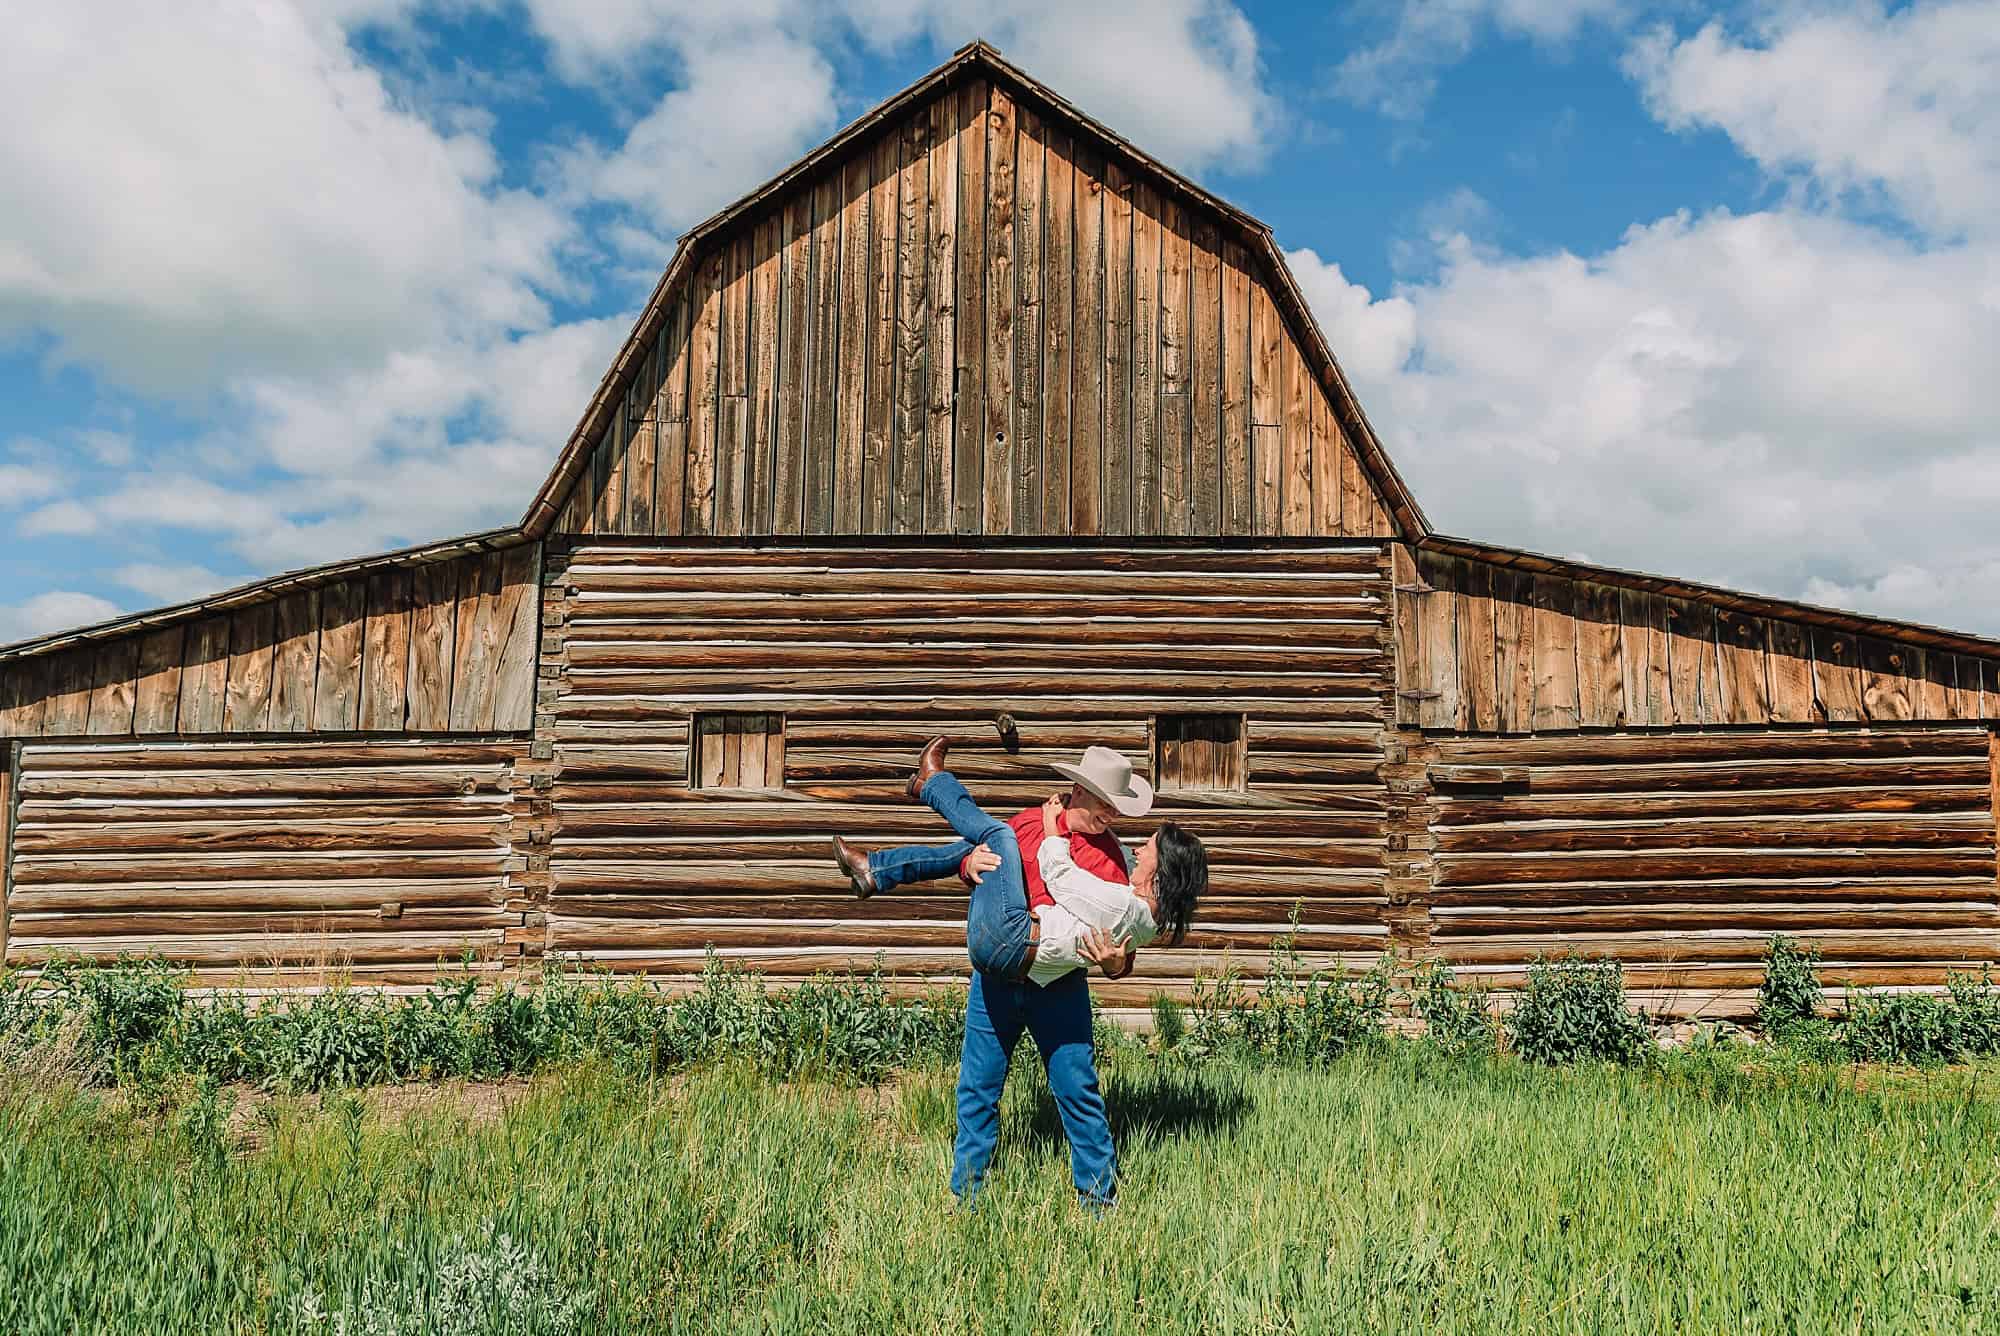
(1710, 292)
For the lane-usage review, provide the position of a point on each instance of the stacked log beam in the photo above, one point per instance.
(383, 857)
(1682, 854)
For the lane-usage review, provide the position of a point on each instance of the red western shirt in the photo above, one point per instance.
(1098, 855)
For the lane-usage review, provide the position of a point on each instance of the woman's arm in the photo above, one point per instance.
(1091, 898)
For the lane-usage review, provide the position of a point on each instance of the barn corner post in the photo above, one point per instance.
(1407, 841)
(10, 766)
(535, 815)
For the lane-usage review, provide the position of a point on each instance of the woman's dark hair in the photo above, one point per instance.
(1180, 881)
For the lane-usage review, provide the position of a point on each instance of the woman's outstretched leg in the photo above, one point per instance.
(883, 870)
(999, 930)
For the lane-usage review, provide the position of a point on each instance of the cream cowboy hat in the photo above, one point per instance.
(1108, 775)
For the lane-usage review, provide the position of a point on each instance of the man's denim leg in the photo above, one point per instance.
(912, 863)
(992, 1027)
(1059, 1018)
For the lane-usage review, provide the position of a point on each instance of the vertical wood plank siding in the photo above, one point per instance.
(867, 654)
(978, 320)
(443, 646)
(385, 856)
(1491, 649)
(1682, 853)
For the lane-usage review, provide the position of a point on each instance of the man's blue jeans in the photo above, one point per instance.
(998, 925)
(1058, 1017)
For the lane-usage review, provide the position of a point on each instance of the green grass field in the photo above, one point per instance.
(1394, 1189)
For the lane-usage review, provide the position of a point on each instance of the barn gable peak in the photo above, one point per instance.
(1290, 451)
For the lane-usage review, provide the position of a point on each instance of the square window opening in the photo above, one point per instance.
(737, 751)
(1199, 753)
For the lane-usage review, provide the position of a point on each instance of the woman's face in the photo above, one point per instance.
(1148, 862)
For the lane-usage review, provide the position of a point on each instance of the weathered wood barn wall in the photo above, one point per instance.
(857, 657)
(1670, 774)
(244, 782)
(979, 421)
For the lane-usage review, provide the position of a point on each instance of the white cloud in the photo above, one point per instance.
(168, 583)
(239, 194)
(1373, 339)
(538, 385)
(53, 611)
(1398, 75)
(20, 484)
(1782, 401)
(59, 517)
(1862, 101)
(1182, 78)
(703, 143)
(1798, 401)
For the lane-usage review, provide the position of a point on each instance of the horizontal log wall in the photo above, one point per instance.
(446, 646)
(869, 654)
(1682, 853)
(287, 860)
(977, 321)
(1492, 649)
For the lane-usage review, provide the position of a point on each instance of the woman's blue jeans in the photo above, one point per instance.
(998, 926)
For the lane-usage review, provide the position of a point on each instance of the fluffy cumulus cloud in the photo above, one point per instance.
(1897, 106)
(168, 582)
(1180, 76)
(1798, 401)
(1398, 73)
(239, 194)
(55, 610)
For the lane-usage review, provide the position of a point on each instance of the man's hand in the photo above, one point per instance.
(1111, 955)
(1052, 811)
(979, 862)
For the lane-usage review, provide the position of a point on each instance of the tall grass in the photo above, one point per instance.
(1393, 1188)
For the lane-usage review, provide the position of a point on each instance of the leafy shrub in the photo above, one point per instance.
(1573, 1010)
(1296, 1016)
(1790, 995)
(140, 1027)
(1455, 1020)
(1924, 1029)
(1169, 1023)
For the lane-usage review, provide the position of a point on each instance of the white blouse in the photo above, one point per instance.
(1083, 902)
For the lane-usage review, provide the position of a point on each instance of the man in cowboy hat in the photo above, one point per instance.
(1056, 1013)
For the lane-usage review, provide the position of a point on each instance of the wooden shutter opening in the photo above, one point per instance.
(738, 751)
(1199, 753)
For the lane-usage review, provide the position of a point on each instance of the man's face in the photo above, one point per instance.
(1088, 813)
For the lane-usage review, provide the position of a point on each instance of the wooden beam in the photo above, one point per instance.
(10, 766)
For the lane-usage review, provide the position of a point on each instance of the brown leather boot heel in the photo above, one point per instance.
(929, 762)
(855, 864)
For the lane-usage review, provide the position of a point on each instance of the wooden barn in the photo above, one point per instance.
(980, 421)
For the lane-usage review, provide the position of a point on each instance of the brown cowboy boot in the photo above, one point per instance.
(855, 864)
(929, 762)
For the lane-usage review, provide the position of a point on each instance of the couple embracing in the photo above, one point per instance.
(1053, 893)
